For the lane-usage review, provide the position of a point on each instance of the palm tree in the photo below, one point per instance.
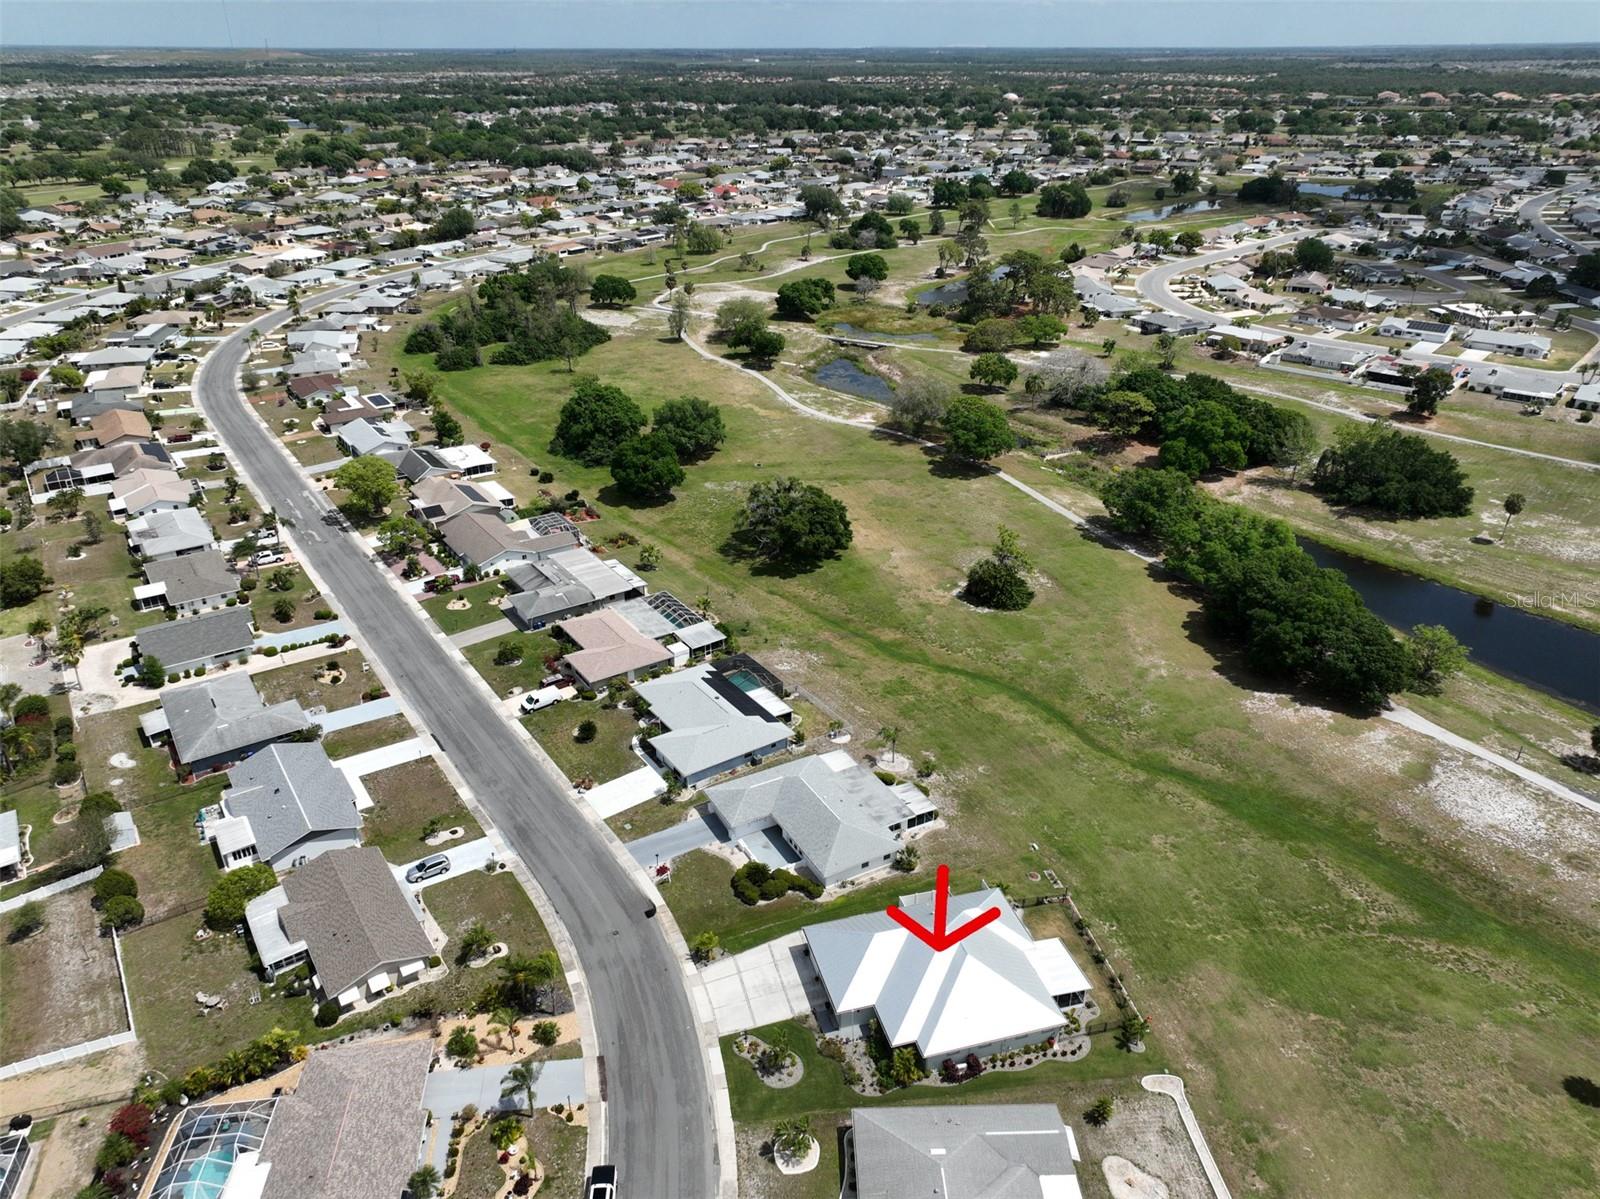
(792, 1138)
(506, 1018)
(522, 1079)
(10, 693)
(889, 734)
(424, 1183)
(1514, 504)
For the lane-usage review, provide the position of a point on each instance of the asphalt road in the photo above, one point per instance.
(1533, 213)
(659, 1125)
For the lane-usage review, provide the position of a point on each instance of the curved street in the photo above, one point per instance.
(658, 1115)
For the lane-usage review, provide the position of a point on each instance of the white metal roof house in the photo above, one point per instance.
(957, 1151)
(284, 806)
(996, 990)
(219, 720)
(838, 817)
(167, 533)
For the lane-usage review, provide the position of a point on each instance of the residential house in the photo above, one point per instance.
(114, 427)
(1413, 329)
(995, 991)
(344, 406)
(94, 471)
(566, 583)
(387, 439)
(352, 1125)
(141, 492)
(187, 584)
(214, 723)
(489, 543)
(836, 818)
(169, 533)
(1168, 322)
(608, 647)
(963, 1151)
(1508, 343)
(284, 806)
(10, 846)
(436, 499)
(716, 718)
(1326, 316)
(348, 915)
(1344, 359)
(464, 461)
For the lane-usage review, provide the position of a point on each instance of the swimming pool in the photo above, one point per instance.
(745, 681)
(209, 1175)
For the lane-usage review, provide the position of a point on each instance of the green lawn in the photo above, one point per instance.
(481, 612)
(305, 681)
(374, 733)
(405, 798)
(534, 649)
(499, 901)
(1237, 862)
(606, 757)
(305, 598)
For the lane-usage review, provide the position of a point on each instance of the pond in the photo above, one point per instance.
(846, 375)
(845, 329)
(1161, 214)
(1337, 191)
(955, 291)
(1559, 659)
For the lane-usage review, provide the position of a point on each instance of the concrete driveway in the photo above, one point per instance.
(464, 856)
(696, 832)
(771, 982)
(448, 1090)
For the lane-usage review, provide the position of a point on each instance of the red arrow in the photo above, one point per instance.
(938, 938)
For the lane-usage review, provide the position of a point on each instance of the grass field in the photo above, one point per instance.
(602, 759)
(1303, 949)
(404, 799)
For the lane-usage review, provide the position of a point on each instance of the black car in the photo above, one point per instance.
(602, 1183)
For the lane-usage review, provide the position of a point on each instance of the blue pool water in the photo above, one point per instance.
(209, 1175)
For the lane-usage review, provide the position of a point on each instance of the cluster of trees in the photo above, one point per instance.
(1064, 201)
(1293, 619)
(1399, 474)
(533, 312)
(1022, 277)
(601, 425)
(973, 428)
(1201, 423)
(803, 299)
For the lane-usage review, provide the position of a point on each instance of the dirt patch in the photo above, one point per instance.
(1146, 1133)
(65, 976)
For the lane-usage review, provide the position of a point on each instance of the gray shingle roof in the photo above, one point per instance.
(990, 1151)
(288, 791)
(224, 714)
(193, 577)
(353, 916)
(350, 1129)
(704, 727)
(229, 631)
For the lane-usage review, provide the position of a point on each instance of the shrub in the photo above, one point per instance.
(226, 903)
(120, 912)
(587, 731)
(1099, 1112)
(132, 1120)
(546, 1032)
(30, 918)
(327, 1013)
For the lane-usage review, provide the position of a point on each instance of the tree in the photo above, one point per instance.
(1436, 656)
(649, 556)
(737, 321)
(1125, 413)
(1099, 1112)
(866, 266)
(113, 883)
(820, 203)
(1268, 189)
(693, 426)
(678, 316)
(611, 290)
(647, 466)
(150, 673)
(803, 299)
(989, 336)
(423, 1183)
(976, 429)
(905, 1067)
(21, 580)
(1204, 436)
(30, 918)
(546, 1032)
(120, 912)
(24, 442)
(369, 483)
(1428, 390)
(594, 421)
(790, 523)
(226, 901)
(910, 229)
(766, 345)
(1040, 327)
(456, 224)
(462, 1045)
(993, 370)
(1313, 254)
(522, 1079)
(1000, 581)
(524, 980)
(1064, 201)
(919, 403)
(1513, 504)
(1167, 350)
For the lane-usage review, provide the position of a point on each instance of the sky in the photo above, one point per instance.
(791, 24)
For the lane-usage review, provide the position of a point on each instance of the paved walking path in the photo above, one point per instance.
(1171, 1084)
(346, 718)
(483, 632)
(1421, 724)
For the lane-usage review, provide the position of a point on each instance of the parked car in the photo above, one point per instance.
(429, 868)
(544, 697)
(265, 558)
(602, 1183)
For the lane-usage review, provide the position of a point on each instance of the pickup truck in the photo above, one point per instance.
(536, 701)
